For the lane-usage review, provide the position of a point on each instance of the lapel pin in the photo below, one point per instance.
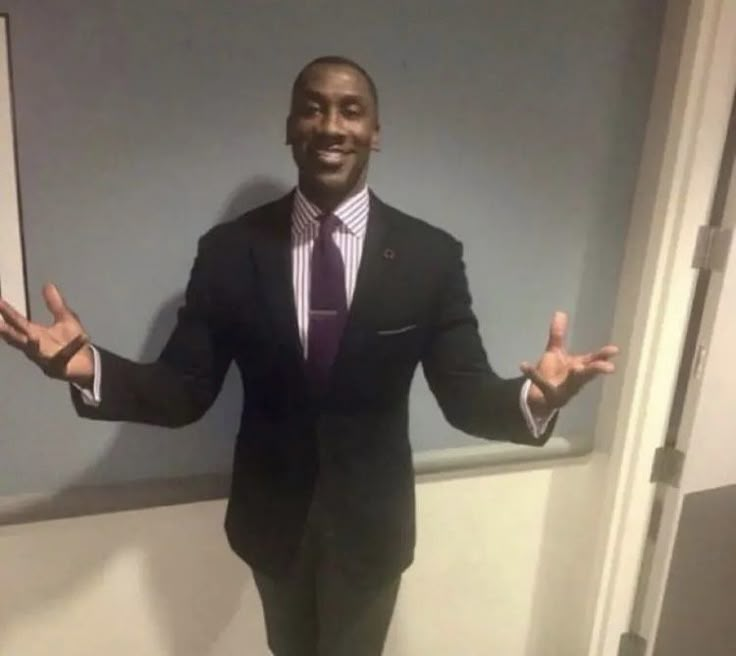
(389, 254)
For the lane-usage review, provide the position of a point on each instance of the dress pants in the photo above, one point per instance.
(319, 608)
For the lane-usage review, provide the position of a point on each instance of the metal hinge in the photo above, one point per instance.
(632, 644)
(712, 248)
(667, 466)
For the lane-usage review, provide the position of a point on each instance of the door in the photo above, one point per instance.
(686, 593)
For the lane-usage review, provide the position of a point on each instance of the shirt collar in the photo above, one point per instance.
(352, 212)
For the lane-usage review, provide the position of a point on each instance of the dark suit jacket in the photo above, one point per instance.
(411, 304)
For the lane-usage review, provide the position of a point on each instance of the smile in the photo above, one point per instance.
(333, 157)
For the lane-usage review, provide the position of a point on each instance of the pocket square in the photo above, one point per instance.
(397, 331)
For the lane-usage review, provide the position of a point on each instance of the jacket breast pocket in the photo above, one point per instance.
(398, 342)
(401, 330)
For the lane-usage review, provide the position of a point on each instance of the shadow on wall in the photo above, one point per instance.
(191, 609)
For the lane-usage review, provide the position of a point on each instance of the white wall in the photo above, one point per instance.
(503, 567)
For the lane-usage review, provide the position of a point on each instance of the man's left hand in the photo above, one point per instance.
(559, 375)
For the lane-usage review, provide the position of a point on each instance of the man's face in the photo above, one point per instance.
(332, 127)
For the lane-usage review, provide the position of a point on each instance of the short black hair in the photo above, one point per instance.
(336, 60)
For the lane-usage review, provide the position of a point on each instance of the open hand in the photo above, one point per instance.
(61, 349)
(559, 375)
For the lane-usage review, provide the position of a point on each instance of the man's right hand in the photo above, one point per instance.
(61, 350)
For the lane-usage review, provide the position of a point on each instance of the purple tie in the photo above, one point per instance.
(327, 303)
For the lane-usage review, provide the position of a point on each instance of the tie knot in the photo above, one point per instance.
(328, 224)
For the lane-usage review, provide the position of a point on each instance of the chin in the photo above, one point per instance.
(331, 184)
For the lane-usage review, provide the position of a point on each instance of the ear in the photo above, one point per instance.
(376, 138)
(289, 128)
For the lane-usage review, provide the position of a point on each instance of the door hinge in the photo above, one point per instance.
(712, 248)
(632, 644)
(667, 466)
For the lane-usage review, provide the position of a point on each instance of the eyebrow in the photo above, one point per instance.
(350, 98)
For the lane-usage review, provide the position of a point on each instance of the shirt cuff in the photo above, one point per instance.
(92, 397)
(537, 425)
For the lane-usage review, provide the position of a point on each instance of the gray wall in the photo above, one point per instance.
(515, 124)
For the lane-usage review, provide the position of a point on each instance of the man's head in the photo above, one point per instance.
(332, 128)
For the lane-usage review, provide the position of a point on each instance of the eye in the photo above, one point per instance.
(353, 111)
(309, 109)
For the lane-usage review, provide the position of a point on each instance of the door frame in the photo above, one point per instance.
(686, 132)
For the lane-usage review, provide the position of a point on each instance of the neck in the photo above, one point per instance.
(326, 200)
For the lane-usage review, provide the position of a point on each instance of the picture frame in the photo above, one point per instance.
(13, 279)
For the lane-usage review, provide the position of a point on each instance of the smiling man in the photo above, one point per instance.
(332, 128)
(326, 300)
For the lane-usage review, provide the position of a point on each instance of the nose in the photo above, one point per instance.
(331, 123)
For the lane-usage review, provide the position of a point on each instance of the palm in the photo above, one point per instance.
(57, 347)
(555, 366)
(559, 375)
(52, 338)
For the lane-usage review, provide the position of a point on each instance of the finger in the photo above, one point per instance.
(581, 375)
(557, 331)
(605, 353)
(32, 347)
(602, 367)
(55, 302)
(12, 336)
(14, 318)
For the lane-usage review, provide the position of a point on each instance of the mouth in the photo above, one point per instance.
(330, 157)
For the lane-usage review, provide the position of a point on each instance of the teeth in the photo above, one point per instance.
(330, 155)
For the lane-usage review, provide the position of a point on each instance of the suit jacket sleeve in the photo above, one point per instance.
(184, 381)
(473, 398)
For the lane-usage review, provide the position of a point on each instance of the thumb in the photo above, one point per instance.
(544, 385)
(55, 302)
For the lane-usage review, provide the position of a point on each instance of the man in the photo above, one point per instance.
(326, 300)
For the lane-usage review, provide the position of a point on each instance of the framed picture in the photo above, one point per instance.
(12, 262)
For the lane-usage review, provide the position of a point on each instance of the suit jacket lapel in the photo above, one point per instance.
(271, 251)
(374, 265)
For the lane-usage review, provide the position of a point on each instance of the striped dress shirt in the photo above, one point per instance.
(349, 238)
